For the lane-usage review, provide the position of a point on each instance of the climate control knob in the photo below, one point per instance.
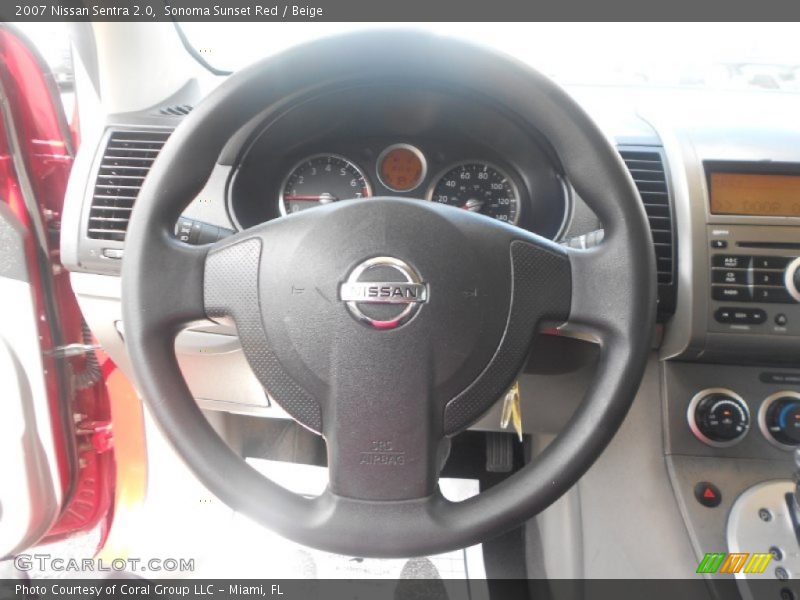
(718, 417)
(779, 419)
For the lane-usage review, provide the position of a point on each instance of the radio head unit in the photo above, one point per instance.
(755, 279)
(753, 237)
(758, 194)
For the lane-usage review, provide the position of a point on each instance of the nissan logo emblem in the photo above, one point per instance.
(383, 292)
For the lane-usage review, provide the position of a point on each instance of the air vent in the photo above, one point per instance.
(646, 166)
(176, 110)
(126, 161)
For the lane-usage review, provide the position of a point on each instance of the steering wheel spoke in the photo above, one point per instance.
(601, 291)
(385, 445)
(230, 283)
(173, 284)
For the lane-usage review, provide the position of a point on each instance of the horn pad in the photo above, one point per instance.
(385, 286)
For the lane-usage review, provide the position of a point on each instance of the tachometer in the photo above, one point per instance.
(321, 179)
(478, 187)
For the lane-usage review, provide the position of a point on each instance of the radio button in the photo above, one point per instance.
(740, 316)
(749, 316)
(724, 315)
(770, 262)
(767, 278)
(772, 294)
(726, 293)
(731, 277)
(730, 261)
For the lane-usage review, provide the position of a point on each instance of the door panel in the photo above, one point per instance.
(30, 499)
(65, 457)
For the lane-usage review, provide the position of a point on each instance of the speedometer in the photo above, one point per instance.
(478, 187)
(321, 179)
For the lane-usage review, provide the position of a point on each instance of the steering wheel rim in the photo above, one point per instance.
(611, 292)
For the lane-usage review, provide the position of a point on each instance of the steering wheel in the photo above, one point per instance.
(388, 325)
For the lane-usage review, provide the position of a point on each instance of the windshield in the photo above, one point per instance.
(703, 55)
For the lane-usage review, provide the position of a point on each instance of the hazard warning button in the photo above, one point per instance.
(707, 494)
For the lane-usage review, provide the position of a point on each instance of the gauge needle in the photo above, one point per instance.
(321, 198)
(473, 205)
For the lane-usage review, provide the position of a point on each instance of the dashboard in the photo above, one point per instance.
(723, 383)
(430, 145)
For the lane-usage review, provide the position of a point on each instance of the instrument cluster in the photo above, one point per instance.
(428, 146)
(473, 185)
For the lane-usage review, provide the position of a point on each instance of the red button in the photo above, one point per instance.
(707, 494)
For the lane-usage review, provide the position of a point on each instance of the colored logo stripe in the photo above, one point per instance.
(758, 562)
(735, 562)
(711, 562)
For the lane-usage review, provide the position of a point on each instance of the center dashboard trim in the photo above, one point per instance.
(691, 150)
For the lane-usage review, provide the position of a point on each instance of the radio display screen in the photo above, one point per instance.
(765, 194)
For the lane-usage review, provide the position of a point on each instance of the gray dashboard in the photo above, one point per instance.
(694, 349)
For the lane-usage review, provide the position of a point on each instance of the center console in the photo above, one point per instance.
(731, 355)
(742, 378)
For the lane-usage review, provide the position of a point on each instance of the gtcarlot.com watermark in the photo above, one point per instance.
(47, 562)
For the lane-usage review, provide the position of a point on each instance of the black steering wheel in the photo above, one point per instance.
(388, 325)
